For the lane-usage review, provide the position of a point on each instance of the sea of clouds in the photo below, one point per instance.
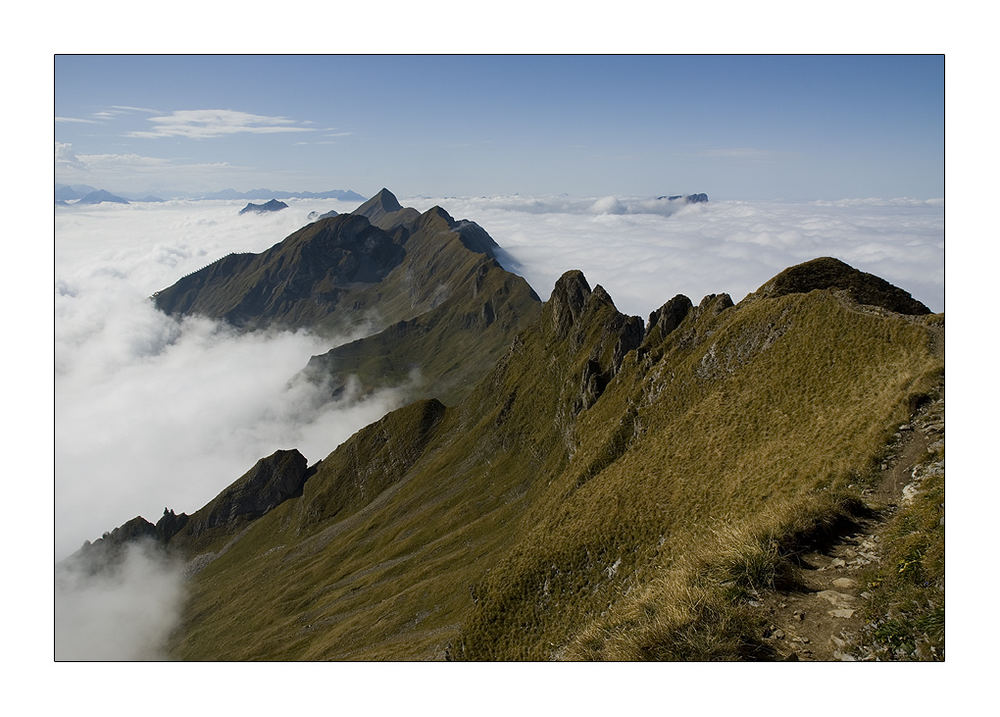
(644, 251)
(152, 412)
(155, 412)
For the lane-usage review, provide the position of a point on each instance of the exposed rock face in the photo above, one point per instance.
(829, 273)
(569, 296)
(272, 206)
(170, 524)
(669, 316)
(581, 318)
(270, 482)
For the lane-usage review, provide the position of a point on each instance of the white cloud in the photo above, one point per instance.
(132, 172)
(202, 124)
(77, 120)
(127, 108)
(66, 159)
(644, 251)
(123, 614)
(153, 412)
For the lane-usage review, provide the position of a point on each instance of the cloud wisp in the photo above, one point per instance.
(209, 123)
(125, 612)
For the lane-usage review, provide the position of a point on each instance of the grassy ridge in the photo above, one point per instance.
(590, 498)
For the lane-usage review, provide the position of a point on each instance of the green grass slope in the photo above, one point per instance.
(602, 493)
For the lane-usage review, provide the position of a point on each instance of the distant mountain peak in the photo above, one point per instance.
(384, 211)
(272, 206)
(387, 200)
(102, 195)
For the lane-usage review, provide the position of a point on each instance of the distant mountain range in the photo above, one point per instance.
(99, 196)
(719, 481)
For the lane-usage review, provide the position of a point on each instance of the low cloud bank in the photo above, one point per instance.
(644, 251)
(152, 412)
(123, 612)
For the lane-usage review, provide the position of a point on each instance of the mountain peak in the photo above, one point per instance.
(386, 200)
(272, 206)
(384, 211)
(569, 296)
(829, 273)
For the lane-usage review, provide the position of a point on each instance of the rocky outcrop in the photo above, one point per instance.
(170, 524)
(569, 296)
(669, 316)
(269, 483)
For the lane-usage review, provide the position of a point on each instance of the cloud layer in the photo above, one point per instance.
(123, 614)
(644, 251)
(152, 412)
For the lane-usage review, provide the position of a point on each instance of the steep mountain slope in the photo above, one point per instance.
(429, 285)
(604, 491)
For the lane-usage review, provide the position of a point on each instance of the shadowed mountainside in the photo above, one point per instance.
(427, 288)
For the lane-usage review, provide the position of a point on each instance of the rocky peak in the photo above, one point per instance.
(669, 316)
(387, 200)
(272, 206)
(270, 482)
(829, 273)
(434, 218)
(384, 211)
(599, 297)
(714, 304)
(383, 202)
(168, 525)
(569, 296)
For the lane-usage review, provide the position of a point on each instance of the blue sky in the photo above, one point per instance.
(750, 127)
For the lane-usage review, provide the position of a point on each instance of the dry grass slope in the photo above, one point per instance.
(595, 496)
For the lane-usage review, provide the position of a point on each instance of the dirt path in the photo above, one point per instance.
(822, 620)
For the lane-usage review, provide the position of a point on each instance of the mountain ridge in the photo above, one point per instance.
(426, 289)
(564, 494)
